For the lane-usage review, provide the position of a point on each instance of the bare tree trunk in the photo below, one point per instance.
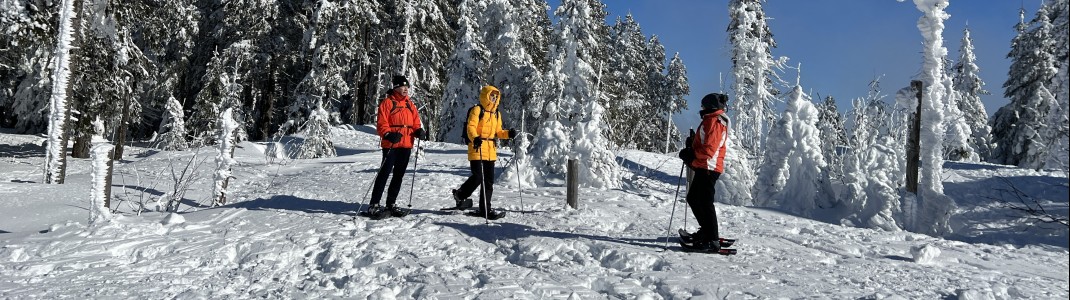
(120, 135)
(913, 143)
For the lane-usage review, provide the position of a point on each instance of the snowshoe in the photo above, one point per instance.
(492, 215)
(706, 247)
(398, 212)
(687, 238)
(376, 212)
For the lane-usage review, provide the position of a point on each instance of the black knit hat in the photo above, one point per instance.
(715, 101)
(399, 81)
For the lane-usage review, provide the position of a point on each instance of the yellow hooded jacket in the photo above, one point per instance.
(487, 128)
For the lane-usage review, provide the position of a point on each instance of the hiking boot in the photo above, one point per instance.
(376, 212)
(461, 203)
(398, 212)
(492, 215)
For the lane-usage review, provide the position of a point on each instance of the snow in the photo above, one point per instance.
(288, 232)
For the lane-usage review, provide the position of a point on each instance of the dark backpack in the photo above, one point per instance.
(464, 132)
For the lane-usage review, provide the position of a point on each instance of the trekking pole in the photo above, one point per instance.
(518, 186)
(674, 199)
(484, 202)
(415, 167)
(369, 191)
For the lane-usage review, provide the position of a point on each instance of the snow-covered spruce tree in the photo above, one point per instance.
(59, 114)
(423, 39)
(933, 208)
(753, 73)
(26, 64)
(833, 135)
(739, 175)
(1016, 126)
(571, 114)
(794, 175)
(221, 90)
(172, 133)
(511, 67)
(224, 160)
(676, 87)
(957, 144)
(651, 132)
(873, 168)
(1057, 133)
(970, 87)
(625, 92)
(464, 73)
(317, 134)
(101, 186)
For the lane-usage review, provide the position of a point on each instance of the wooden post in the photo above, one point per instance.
(572, 184)
(914, 142)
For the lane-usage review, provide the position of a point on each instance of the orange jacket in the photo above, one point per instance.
(711, 142)
(487, 128)
(397, 114)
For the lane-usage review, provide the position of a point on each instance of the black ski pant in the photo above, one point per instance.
(700, 197)
(396, 161)
(482, 172)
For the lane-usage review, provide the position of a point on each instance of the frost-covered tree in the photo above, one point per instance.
(224, 160)
(794, 174)
(873, 167)
(510, 66)
(970, 87)
(571, 116)
(676, 87)
(222, 90)
(753, 73)
(932, 210)
(59, 114)
(1057, 133)
(317, 134)
(172, 133)
(464, 73)
(1016, 127)
(625, 86)
(833, 135)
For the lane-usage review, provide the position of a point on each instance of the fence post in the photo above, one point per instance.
(914, 142)
(572, 184)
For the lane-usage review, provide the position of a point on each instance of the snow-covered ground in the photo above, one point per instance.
(290, 232)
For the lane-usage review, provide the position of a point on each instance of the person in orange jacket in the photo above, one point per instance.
(704, 154)
(398, 125)
(484, 126)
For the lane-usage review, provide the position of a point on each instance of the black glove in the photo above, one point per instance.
(512, 133)
(687, 154)
(392, 137)
(477, 142)
(420, 133)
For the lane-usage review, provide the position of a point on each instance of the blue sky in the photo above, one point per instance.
(841, 44)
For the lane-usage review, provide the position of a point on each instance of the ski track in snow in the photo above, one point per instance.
(290, 232)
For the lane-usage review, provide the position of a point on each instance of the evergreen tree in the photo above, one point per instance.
(676, 87)
(833, 134)
(571, 116)
(753, 71)
(1016, 127)
(874, 167)
(26, 64)
(59, 112)
(625, 89)
(172, 132)
(970, 87)
(1057, 132)
(317, 134)
(511, 67)
(794, 174)
(464, 73)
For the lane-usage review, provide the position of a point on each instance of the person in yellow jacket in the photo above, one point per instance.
(483, 128)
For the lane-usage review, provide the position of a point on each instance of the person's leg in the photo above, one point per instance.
(700, 197)
(488, 184)
(401, 164)
(469, 186)
(715, 233)
(381, 176)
